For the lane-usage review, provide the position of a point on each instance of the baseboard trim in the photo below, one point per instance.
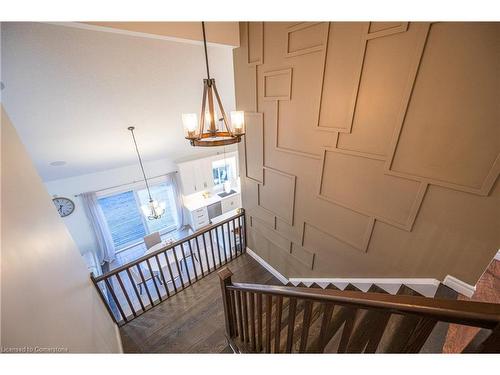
(119, 339)
(497, 255)
(267, 266)
(425, 286)
(459, 286)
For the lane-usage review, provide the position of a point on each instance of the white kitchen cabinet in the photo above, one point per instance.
(199, 218)
(188, 178)
(196, 175)
(231, 202)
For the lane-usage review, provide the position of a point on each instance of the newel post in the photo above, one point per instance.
(225, 281)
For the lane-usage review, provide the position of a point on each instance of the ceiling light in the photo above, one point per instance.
(153, 209)
(207, 132)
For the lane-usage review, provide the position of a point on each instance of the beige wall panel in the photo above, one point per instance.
(251, 196)
(306, 37)
(454, 107)
(385, 222)
(278, 194)
(255, 42)
(334, 257)
(387, 66)
(277, 84)
(351, 227)
(270, 234)
(455, 233)
(360, 183)
(344, 59)
(280, 258)
(293, 232)
(379, 26)
(245, 84)
(302, 255)
(254, 142)
(265, 216)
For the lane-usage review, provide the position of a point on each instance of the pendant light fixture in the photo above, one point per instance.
(206, 132)
(152, 210)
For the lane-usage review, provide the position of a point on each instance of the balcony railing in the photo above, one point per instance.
(132, 289)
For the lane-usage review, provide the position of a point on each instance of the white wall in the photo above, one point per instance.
(77, 222)
(48, 299)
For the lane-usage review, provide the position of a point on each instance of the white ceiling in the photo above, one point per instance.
(71, 94)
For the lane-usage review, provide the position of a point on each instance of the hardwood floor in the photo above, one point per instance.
(193, 320)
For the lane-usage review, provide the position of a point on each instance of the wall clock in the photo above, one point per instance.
(64, 206)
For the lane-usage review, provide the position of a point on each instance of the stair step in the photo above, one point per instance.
(368, 328)
(399, 327)
(437, 338)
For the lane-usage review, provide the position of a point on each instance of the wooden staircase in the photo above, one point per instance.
(301, 319)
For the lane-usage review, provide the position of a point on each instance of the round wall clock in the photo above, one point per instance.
(65, 206)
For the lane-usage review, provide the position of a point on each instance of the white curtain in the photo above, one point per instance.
(105, 248)
(173, 182)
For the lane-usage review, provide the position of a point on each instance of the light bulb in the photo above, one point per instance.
(238, 122)
(190, 123)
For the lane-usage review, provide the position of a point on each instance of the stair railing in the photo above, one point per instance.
(255, 319)
(165, 272)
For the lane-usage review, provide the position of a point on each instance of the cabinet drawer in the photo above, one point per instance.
(231, 203)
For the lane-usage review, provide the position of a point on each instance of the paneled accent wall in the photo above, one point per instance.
(372, 148)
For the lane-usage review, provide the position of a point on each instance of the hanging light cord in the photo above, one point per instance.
(205, 45)
(131, 128)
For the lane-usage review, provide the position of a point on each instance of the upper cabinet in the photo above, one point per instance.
(195, 176)
(206, 173)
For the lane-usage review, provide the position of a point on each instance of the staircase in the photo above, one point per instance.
(301, 319)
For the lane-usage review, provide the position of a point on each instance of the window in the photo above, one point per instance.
(224, 170)
(124, 216)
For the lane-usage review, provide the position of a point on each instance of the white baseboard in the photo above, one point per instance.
(267, 266)
(459, 286)
(425, 286)
(497, 255)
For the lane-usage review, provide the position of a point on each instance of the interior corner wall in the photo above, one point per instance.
(372, 148)
(48, 300)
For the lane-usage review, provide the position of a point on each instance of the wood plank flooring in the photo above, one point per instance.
(193, 320)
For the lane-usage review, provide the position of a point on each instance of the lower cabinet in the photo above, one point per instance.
(231, 203)
(199, 218)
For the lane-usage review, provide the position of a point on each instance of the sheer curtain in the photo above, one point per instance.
(172, 180)
(105, 247)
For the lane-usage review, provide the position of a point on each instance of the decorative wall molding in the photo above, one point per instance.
(363, 245)
(315, 46)
(398, 28)
(357, 67)
(288, 218)
(288, 150)
(415, 205)
(255, 131)
(365, 141)
(260, 59)
(286, 76)
(494, 171)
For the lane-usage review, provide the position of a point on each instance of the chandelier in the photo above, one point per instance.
(207, 132)
(153, 209)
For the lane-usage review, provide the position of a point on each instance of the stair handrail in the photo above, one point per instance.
(478, 314)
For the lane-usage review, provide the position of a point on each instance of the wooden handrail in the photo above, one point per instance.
(479, 314)
(169, 246)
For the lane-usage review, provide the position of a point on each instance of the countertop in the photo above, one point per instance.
(199, 202)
